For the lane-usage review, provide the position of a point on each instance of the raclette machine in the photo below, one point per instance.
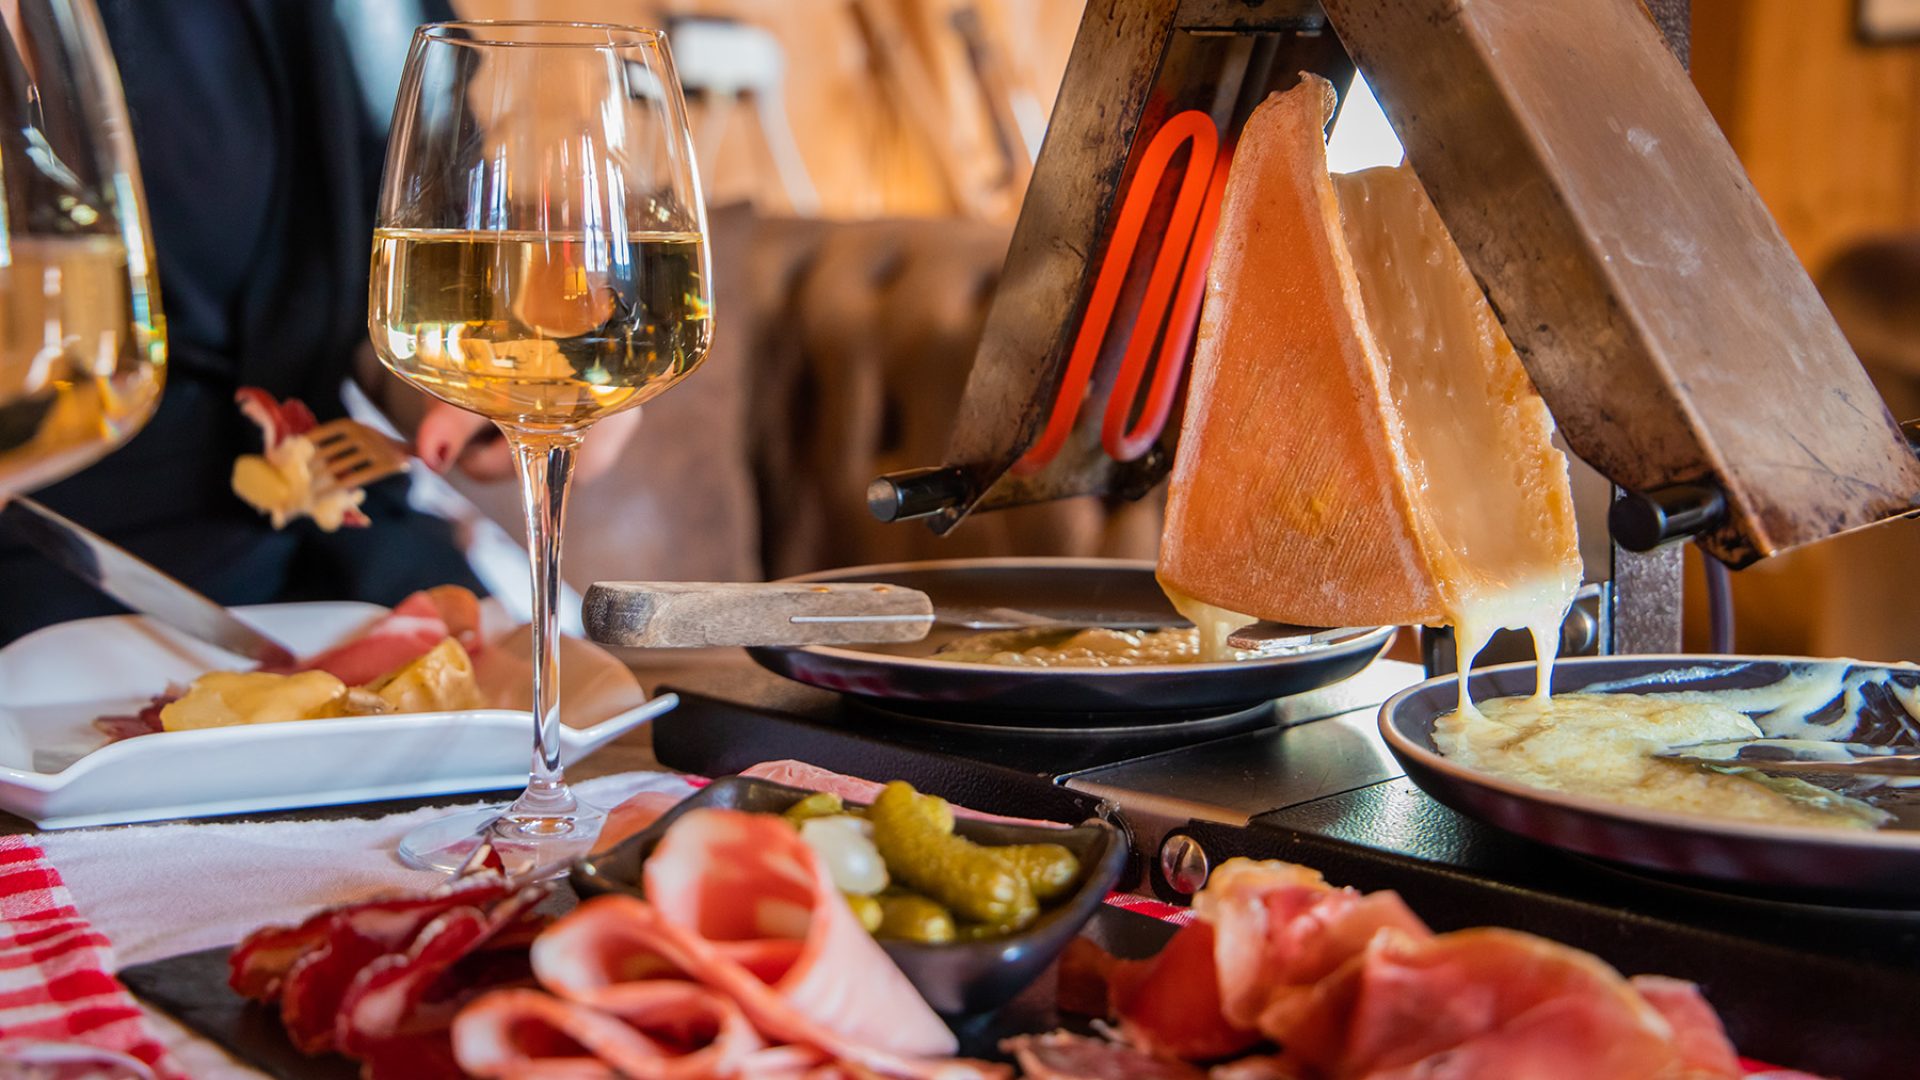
(1683, 350)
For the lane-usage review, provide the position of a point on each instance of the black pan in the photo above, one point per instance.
(1068, 589)
(1801, 861)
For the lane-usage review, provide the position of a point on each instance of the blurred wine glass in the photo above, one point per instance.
(82, 341)
(539, 259)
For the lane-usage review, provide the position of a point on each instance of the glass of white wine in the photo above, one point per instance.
(82, 344)
(540, 259)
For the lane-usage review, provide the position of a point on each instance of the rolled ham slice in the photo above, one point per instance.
(736, 879)
(660, 1029)
(742, 912)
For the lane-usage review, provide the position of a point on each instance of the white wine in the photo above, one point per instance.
(537, 329)
(82, 355)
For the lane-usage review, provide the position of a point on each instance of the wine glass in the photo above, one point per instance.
(82, 343)
(539, 258)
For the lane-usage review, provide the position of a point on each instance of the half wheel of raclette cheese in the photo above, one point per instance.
(1361, 445)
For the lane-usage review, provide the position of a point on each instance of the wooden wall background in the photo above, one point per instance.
(1828, 127)
(870, 152)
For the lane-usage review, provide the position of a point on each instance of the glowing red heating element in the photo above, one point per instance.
(1173, 297)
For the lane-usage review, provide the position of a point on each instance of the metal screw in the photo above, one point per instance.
(1184, 865)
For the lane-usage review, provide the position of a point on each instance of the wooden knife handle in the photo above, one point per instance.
(678, 614)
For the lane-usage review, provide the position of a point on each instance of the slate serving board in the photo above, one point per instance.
(192, 988)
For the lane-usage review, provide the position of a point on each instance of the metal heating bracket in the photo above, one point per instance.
(1682, 348)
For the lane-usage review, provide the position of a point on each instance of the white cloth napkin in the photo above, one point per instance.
(162, 890)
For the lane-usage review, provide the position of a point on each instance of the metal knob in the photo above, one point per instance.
(916, 492)
(1644, 520)
(1184, 864)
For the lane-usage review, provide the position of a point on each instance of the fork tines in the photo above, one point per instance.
(353, 455)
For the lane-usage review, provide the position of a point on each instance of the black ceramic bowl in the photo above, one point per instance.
(957, 979)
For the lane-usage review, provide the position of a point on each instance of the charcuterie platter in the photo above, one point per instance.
(743, 950)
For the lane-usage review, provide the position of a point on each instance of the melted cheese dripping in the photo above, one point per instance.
(1361, 443)
(1216, 624)
(1494, 512)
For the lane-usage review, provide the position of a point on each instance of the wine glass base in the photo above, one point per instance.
(524, 842)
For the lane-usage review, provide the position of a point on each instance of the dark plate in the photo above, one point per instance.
(1070, 589)
(965, 977)
(1840, 865)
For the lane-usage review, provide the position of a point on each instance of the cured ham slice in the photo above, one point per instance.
(1170, 1005)
(660, 1029)
(1698, 1033)
(738, 879)
(741, 912)
(381, 980)
(1484, 1002)
(1353, 986)
(1361, 445)
(404, 635)
(1280, 929)
(854, 789)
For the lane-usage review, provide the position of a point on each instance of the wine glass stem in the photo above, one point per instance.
(545, 463)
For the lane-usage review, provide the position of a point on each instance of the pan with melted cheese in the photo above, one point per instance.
(1601, 746)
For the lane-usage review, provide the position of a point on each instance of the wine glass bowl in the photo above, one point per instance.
(82, 341)
(540, 259)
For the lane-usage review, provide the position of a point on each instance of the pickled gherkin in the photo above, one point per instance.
(867, 909)
(911, 917)
(1049, 869)
(818, 804)
(914, 833)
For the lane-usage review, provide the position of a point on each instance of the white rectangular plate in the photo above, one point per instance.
(58, 771)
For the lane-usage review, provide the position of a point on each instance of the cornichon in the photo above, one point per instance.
(911, 917)
(1050, 869)
(914, 833)
(867, 909)
(818, 804)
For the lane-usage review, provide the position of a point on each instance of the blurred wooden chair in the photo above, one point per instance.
(840, 352)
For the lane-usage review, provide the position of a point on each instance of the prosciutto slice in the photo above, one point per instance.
(1353, 986)
(380, 980)
(1485, 1002)
(1280, 928)
(1170, 1005)
(742, 912)
(404, 635)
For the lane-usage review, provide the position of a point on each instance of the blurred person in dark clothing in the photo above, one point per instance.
(260, 129)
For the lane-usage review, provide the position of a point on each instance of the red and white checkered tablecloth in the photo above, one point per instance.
(56, 980)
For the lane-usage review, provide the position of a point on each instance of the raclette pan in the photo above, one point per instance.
(909, 677)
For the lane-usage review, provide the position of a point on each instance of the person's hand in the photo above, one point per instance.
(448, 436)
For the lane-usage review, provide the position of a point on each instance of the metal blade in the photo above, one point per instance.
(1272, 635)
(1006, 618)
(136, 583)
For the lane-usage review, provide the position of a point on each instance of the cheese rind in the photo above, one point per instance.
(1361, 444)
